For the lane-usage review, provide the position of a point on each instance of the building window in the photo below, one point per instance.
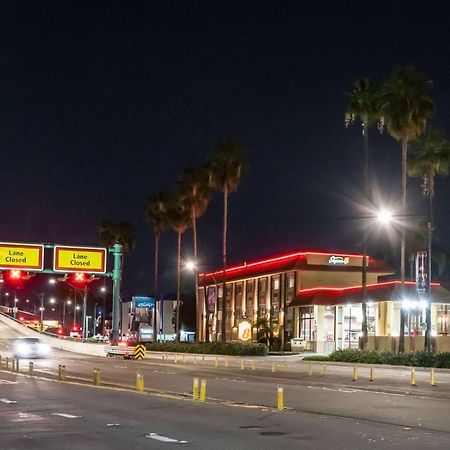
(220, 291)
(239, 288)
(307, 323)
(291, 281)
(262, 285)
(276, 283)
(443, 319)
(249, 287)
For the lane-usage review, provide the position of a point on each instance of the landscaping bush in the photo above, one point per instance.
(316, 358)
(417, 359)
(210, 348)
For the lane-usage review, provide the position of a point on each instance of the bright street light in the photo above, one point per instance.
(384, 216)
(52, 301)
(51, 281)
(103, 289)
(189, 265)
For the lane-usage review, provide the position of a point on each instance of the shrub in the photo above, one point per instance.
(210, 348)
(316, 358)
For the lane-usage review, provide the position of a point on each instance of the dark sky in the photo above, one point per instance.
(102, 103)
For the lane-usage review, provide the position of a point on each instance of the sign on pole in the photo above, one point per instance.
(21, 256)
(79, 259)
(143, 302)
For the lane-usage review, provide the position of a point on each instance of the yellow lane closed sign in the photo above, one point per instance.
(79, 259)
(21, 256)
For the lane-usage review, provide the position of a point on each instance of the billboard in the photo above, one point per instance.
(143, 302)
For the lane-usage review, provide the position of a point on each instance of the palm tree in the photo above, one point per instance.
(431, 158)
(363, 106)
(406, 106)
(225, 168)
(194, 186)
(179, 218)
(155, 212)
(111, 232)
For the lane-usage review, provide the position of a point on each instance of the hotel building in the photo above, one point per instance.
(315, 297)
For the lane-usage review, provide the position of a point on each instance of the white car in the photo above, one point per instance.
(29, 347)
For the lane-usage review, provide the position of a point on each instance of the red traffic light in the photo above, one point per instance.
(15, 274)
(78, 278)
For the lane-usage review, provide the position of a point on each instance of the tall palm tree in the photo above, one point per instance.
(179, 218)
(431, 158)
(194, 186)
(406, 106)
(363, 106)
(225, 168)
(155, 213)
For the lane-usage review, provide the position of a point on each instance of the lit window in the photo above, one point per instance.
(276, 283)
(291, 281)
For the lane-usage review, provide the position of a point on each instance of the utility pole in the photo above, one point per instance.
(116, 250)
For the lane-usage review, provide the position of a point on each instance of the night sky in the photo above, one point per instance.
(102, 103)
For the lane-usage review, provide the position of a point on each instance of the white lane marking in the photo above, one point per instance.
(157, 437)
(8, 382)
(67, 416)
(113, 424)
(5, 400)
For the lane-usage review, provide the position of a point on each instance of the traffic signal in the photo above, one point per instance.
(15, 274)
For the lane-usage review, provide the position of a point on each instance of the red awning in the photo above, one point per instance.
(386, 291)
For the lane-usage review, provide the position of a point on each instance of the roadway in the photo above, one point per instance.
(240, 411)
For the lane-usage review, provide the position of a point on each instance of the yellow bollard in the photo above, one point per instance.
(432, 379)
(184, 359)
(195, 389)
(242, 364)
(355, 373)
(63, 373)
(273, 367)
(285, 366)
(203, 390)
(310, 371)
(227, 363)
(163, 356)
(253, 365)
(371, 374)
(325, 370)
(31, 368)
(280, 398)
(17, 364)
(13, 365)
(0, 361)
(413, 376)
(216, 362)
(6, 362)
(139, 382)
(176, 358)
(195, 360)
(96, 377)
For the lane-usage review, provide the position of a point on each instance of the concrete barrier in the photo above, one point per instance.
(54, 342)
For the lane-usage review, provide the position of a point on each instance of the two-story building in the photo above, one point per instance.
(313, 296)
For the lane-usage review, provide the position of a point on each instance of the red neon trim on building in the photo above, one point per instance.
(337, 290)
(280, 258)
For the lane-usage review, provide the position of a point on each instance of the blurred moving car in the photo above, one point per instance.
(30, 347)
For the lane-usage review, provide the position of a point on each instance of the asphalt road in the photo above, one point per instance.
(322, 410)
(42, 414)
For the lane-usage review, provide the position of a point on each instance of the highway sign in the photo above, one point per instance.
(21, 256)
(79, 259)
(143, 302)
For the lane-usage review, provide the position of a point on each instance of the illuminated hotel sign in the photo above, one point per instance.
(328, 259)
(245, 331)
(340, 260)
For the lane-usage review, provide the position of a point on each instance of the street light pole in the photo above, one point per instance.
(41, 298)
(84, 312)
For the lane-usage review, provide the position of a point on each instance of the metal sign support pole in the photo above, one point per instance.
(116, 250)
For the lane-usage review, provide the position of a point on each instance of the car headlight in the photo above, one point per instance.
(44, 349)
(23, 349)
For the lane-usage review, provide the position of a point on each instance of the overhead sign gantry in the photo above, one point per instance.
(66, 259)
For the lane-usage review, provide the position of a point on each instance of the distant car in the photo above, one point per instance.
(30, 348)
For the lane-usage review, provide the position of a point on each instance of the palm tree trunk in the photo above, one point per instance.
(200, 329)
(428, 346)
(155, 283)
(177, 328)
(224, 253)
(401, 341)
(364, 338)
